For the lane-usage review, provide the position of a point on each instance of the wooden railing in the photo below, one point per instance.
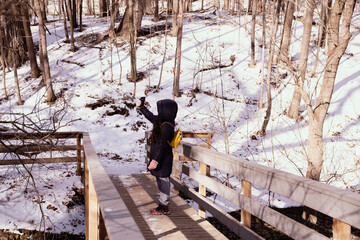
(107, 217)
(342, 205)
(106, 213)
(25, 147)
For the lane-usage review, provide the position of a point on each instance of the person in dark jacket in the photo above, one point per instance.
(161, 154)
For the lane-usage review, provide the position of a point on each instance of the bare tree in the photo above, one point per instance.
(322, 32)
(35, 71)
(90, 7)
(73, 12)
(253, 25)
(269, 67)
(177, 62)
(132, 30)
(156, 11)
(175, 17)
(13, 34)
(338, 40)
(3, 62)
(294, 108)
(71, 20)
(103, 8)
(17, 85)
(80, 14)
(283, 58)
(124, 26)
(3, 68)
(50, 97)
(63, 7)
(114, 12)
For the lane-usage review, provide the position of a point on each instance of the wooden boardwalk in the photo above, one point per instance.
(139, 193)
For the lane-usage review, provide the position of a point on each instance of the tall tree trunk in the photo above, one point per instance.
(103, 8)
(165, 48)
(80, 14)
(3, 65)
(73, 13)
(253, 25)
(174, 18)
(13, 35)
(261, 101)
(72, 40)
(132, 31)
(123, 28)
(156, 11)
(17, 86)
(177, 67)
(283, 58)
(325, 5)
(271, 57)
(35, 70)
(43, 11)
(232, 7)
(337, 44)
(90, 7)
(226, 5)
(294, 108)
(322, 32)
(50, 96)
(63, 3)
(114, 12)
(148, 7)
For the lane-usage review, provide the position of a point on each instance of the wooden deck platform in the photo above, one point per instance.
(139, 193)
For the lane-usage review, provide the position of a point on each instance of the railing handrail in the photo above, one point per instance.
(104, 201)
(338, 203)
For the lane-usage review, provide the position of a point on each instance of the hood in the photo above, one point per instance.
(167, 110)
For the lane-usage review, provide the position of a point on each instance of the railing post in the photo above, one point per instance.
(176, 171)
(341, 230)
(78, 166)
(246, 191)
(93, 223)
(202, 188)
(86, 189)
(205, 170)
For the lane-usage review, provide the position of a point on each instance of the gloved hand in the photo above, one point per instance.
(140, 102)
(153, 164)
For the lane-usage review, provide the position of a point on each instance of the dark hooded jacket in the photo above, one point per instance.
(160, 150)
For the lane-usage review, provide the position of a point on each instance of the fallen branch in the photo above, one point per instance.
(232, 59)
(73, 62)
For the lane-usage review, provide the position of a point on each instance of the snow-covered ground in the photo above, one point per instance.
(225, 105)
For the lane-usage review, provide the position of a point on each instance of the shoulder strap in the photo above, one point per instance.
(167, 123)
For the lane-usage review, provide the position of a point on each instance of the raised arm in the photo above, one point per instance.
(141, 107)
(149, 115)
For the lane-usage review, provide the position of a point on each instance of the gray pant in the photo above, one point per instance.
(164, 190)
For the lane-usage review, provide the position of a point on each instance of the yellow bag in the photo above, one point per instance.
(176, 139)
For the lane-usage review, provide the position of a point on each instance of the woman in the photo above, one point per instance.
(161, 154)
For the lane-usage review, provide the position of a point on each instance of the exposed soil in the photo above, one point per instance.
(99, 103)
(117, 110)
(32, 234)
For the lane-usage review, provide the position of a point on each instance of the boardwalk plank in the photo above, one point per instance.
(139, 193)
